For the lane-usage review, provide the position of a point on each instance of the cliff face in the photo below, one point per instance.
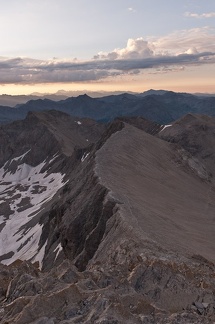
(37, 157)
(126, 238)
(195, 136)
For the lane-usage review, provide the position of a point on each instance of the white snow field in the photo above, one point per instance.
(24, 192)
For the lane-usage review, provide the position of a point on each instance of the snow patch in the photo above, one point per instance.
(85, 155)
(40, 255)
(57, 250)
(78, 122)
(54, 157)
(20, 157)
(165, 126)
(21, 233)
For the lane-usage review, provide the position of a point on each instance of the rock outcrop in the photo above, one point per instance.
(129, 235)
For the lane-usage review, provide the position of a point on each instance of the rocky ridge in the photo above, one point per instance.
(129, 235)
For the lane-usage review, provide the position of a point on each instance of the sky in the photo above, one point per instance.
(114, 45)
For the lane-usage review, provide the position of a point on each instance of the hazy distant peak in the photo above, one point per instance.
(153, 92)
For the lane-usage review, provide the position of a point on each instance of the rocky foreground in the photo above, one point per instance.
(128, 235)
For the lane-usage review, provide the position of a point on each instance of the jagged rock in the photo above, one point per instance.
(127, 238)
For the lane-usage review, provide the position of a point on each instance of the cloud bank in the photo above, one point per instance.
(170, 53)
(200, 16)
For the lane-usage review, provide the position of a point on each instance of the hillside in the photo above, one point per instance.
(108, 223)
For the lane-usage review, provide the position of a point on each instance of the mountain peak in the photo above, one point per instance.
(119, 216)
(84, 96)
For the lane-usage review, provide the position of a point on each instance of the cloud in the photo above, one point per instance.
(191, 41)
(29, 71)
(200, 16)
(131, 9)
(165, 70)
(173, 52)
(135, 49)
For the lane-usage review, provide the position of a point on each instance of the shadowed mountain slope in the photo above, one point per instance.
(195, 134)
(122, 228)
(162, 107)
(36, 158)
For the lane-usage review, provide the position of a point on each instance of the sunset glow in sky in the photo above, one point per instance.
(48, 45)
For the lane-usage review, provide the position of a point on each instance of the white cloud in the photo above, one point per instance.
(162, 54)
(131, 9)
(200, 16)
(196, 40)
(135, 49)
(191, 41)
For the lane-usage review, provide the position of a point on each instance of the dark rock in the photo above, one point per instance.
(129, 238)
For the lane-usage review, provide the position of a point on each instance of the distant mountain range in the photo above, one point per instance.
(14, 100)
(159, 106)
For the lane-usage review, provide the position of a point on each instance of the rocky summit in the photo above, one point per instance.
(107, 223)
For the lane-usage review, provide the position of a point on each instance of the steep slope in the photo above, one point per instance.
(35, 157)
(129, 238)
(71, 132)
(143, 124)
(162, 202)
(194, 134)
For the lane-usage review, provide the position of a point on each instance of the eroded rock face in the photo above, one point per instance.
(37, 156)
(129, 238)
(195, 134)
(140, 290)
